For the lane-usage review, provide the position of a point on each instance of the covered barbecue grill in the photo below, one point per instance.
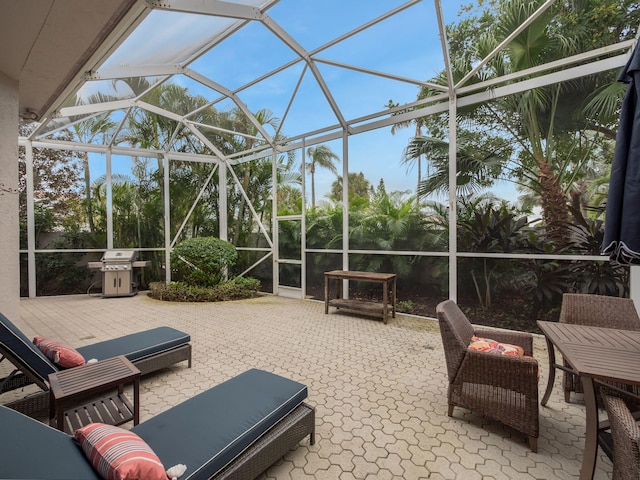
(118, 277)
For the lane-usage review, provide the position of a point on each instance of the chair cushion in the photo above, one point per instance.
(118, 454)
(216, 426)
(137, 346)
(23, 348)
(59, 352)
(30, 449)
(480, 344)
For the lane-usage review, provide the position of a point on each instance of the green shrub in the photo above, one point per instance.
(405, 306)
(236, 289)
(202, 261)
(248, 283)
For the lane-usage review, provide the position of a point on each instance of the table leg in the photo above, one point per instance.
(591, 435)
(136, 401)
(393, 298)
(385, 301)
(552, 372)
(56, 415)
(326, 294)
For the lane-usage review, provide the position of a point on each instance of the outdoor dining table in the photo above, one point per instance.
(595, 354)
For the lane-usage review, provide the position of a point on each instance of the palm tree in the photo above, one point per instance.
(409, 160)
(89, 131)
(543, 124)
(476, 168)
(321, 156)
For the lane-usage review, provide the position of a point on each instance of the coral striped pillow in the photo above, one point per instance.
(488, 345)
(118, 454)
(59, 352)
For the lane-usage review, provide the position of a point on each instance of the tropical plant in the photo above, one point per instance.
(484, 226)
(389, 221)
(600, 278)
(553, 131)
(64, 272)
(476, 167)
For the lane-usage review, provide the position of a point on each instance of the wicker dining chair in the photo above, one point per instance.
(502, 388)
(625, 434)
(595, 311)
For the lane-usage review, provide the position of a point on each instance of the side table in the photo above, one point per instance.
(70, 386)
(386, 279)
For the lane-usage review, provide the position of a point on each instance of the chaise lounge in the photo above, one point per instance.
(235, 430)
(149, 350)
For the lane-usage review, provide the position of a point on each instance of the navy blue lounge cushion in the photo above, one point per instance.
(32, 450)
(137, 346)
(22, 347)
(209, 430)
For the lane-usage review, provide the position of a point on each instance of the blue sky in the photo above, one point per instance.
(406, 45)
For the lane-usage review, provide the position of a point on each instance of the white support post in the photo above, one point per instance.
(223, 232)
(453, 213)
(223, 226)
(634, 285)
(275, 249)
(9, 222)
(31, 223)
(167, 220)
(345, 210)
(109, 181)
(303, 230)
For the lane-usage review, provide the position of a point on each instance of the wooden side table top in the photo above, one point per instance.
(365, 276)
(92, 378)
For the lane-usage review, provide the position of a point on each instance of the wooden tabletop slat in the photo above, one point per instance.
(89, 377)
(603, 353)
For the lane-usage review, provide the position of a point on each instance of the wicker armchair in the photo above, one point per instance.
(595, 311)
(626, 439)
(500, 387)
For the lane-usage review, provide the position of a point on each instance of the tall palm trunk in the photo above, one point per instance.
(555, 209)
(87, 198)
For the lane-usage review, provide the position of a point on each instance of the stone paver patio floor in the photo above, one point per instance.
(379, 390)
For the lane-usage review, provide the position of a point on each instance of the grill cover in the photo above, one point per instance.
(119, 256)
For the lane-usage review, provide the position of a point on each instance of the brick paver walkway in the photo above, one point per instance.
(379, 390)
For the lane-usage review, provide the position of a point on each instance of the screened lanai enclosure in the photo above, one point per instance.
(464, 146)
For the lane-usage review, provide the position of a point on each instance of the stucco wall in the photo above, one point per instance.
(9, 228)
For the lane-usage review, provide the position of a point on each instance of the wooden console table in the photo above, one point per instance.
(386, 279)
(70, 386)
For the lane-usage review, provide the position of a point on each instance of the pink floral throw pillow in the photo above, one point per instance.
(488, 345)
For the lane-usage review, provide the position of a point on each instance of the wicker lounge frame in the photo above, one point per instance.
(502, 388)
(273, 445)
(27, 373)
(594, 311)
